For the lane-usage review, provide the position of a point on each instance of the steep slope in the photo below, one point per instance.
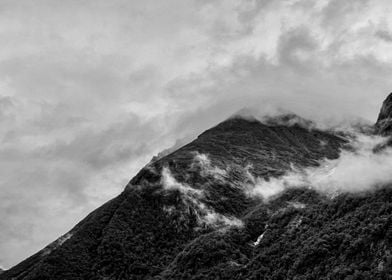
(139, 233)
(384, 120)
(190, 215)
(300, 236)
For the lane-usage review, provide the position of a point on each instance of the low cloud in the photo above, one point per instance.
(170, 183)
(364, 167)
(192, 197)
(207, 168)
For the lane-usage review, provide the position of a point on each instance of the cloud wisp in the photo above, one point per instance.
(192, 197)
(364, 165)
(362, 168)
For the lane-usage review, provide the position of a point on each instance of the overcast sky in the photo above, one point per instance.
(91, 90)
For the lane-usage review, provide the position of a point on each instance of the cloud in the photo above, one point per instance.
(362, 168)
(178, 144)
(384, 35)
(207, 168)
(170, 183)
(193, 198)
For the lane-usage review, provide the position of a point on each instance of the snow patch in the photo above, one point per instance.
(261, 236)
(257, 242)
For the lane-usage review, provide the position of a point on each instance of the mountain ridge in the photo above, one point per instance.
(189, 215)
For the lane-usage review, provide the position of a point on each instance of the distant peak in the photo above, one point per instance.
(384, 120)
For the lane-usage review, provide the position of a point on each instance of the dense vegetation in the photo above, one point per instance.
(345, 238)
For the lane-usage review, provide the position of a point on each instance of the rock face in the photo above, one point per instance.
(384, 120)
(189, 215)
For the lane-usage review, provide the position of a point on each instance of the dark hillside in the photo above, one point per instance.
(347, 238)
(188, 216)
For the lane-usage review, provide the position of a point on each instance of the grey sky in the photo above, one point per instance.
(91, 90)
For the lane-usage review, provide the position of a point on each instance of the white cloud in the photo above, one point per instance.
(207, 168)
(365, 167)
(192, 197)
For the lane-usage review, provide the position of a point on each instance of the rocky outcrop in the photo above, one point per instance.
(384, 120)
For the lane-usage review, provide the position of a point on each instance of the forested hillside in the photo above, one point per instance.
(217, 209)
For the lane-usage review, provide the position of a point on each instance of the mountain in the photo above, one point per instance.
(384, 120)
(195, 214)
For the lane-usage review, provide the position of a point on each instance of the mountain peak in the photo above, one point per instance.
(193, 213)
(384, 120)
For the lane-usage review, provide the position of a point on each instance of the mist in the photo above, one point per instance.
(192, 197)
(364, 164)
(275, 115)
(363, 167)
